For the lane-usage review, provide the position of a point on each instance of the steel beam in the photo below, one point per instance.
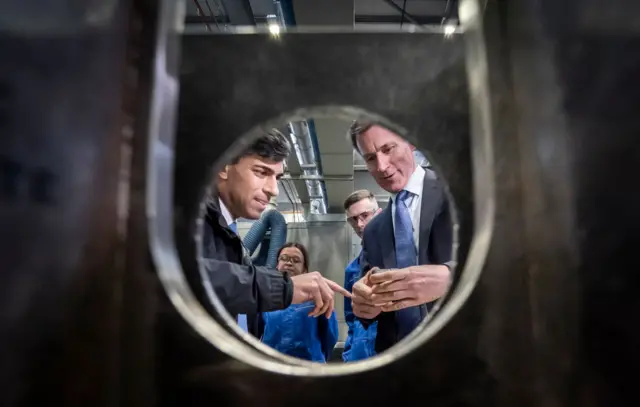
(239, 12)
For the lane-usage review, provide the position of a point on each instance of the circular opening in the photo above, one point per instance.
(252, 102)
(225, 333)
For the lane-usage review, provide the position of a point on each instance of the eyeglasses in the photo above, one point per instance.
(353, 220)
(289, 259)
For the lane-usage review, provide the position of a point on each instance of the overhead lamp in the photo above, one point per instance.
(274, 29)
(449, 30)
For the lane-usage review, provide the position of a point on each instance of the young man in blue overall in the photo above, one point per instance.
(361, 206)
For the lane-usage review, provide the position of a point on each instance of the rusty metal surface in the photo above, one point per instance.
(62, 233)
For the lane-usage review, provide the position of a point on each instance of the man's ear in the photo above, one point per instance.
(224, 174)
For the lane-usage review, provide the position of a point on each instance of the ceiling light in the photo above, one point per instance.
(449, 29)
(274, 29)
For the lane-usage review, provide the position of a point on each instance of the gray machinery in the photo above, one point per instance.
(106, 124)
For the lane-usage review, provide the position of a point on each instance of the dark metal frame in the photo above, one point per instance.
(86, 322)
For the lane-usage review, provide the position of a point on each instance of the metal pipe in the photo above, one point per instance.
(215, 20)
(303, 146)
(280, 15)
(303, 136)
(318, 178)
(448, 11)
(284, 11)
(408, 16)
(201, 14)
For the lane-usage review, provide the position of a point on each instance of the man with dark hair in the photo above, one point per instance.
(242, 189)
(412, 238)
(360, 207)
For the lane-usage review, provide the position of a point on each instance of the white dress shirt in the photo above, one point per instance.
(225, 213)
(414, 202)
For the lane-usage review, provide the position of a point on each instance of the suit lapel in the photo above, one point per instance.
(431, 198)
(386, 234)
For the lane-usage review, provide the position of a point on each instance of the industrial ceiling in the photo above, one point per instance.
(221, 13)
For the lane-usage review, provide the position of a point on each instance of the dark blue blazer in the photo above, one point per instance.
(435, 246)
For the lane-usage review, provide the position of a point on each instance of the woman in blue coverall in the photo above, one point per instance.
(292, 331)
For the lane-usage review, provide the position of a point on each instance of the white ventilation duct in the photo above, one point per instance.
(303, 144)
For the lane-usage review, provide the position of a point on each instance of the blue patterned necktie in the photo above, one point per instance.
(403, 233)
(242, 318)
(406, 255)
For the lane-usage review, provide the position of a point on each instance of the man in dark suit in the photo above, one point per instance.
(413, 236)
(242, 189)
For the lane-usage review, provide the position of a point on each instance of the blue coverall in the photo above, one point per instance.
(361, 342)
(293, 332)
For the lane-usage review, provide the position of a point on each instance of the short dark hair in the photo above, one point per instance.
(357, 196)
(357, 128)
(273, 146)
(303, 250)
